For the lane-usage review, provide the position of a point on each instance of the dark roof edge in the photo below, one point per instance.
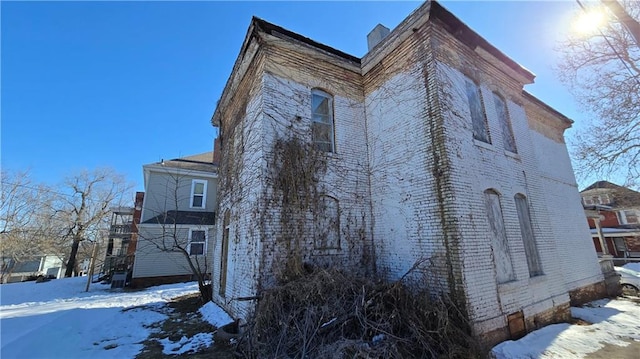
(270, 28)
(472, 39)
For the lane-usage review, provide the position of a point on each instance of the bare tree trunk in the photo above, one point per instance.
(72, 258)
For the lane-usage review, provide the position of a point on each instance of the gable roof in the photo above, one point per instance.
(623, 196)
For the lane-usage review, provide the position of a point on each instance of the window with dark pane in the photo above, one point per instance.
(322, 116)
(197, 242)
(198, 193)
(478, 118)
(505, 124)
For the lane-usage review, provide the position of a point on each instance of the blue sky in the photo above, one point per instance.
(122, 84)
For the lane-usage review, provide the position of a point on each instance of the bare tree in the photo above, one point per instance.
(602, 69)
(25, 231)
(85, 208)
(36, 219)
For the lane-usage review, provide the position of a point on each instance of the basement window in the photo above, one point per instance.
(197, 242)
(322, 116)
(478, 117)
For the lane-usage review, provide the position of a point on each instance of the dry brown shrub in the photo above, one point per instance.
(328, 313)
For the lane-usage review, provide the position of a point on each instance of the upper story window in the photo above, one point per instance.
(629, 217)
(503, 117)
(198, 193)
(599, 199)
(322, 116)
(197, 242)
(478, 117)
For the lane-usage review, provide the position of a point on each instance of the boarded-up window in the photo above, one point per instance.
(505, 124)
(478, 118)
(322, 116)
(327, 223)
(528, 237)
(499, 244)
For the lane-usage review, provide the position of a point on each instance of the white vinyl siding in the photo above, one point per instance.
(152, 261)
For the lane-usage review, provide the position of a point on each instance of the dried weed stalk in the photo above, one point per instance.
(327, 313)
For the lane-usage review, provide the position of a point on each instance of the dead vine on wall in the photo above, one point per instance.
(297, 169)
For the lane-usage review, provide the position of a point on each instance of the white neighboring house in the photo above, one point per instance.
(178, 213)
(47, 265)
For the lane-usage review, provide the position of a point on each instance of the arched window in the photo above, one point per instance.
(505, 124)
(322, 116)
(478, 117)
(327, 223)
(528, 238)
(499, 244)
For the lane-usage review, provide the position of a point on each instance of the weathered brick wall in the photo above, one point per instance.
(241, 172)
(407, 173)
(477, 166)
(405, 206)
(568, 224)
(287, 113)
(406, 167)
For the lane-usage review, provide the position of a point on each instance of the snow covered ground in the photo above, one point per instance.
(58, 319)
(615, 322)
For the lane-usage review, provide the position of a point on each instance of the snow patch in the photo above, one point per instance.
(214, 315)
(614, 322)
(186, 345)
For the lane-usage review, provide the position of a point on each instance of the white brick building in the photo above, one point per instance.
(426, 148)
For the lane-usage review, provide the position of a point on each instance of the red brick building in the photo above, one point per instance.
(615, 212)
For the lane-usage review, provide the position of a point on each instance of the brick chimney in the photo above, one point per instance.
(217, 155)
(376, 35)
